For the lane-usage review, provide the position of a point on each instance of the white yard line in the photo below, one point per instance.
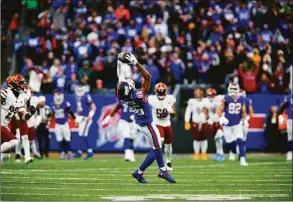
(131, 190)
(136, 184)
(40, 194)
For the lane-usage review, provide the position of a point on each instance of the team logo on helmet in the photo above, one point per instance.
(16, 82)
(125, 88)
(161, 90)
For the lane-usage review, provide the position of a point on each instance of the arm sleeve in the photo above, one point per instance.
(188, 112)
(120, 72)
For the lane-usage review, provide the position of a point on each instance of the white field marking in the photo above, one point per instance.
(128, 190)
(39, 194)
(107, 179)
(190, 197)
(151, 184)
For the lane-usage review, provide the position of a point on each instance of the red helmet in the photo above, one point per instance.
(16, 82)
(161, 90)
(211, 92)
(198, 93)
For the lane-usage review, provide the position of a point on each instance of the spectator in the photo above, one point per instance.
(35, 78)
(71, 68)
(14, 24)
(154, 71)
(177, 67)
(72, 83)
(122, 13)
(279, 82)
(264, 84)
(60, 80)
(55, 68)
(84, 71)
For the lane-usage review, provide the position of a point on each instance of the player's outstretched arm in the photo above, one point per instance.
(114, 111)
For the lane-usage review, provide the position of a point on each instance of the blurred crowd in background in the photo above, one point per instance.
(197, 41)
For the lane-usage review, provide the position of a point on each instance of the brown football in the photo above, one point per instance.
(123, 57)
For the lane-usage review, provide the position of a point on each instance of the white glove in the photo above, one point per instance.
(132, 117)
(223, 120)
(106, 120)
(210, 121)
(131, 58)
(245, 123)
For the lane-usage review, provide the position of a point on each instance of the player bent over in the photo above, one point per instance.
(195, 107)
(136, 99)
(234, 108)
(85, 111)
(163, 108)
(287, 104)
(212, 102)
(10, 105)
(61, 109)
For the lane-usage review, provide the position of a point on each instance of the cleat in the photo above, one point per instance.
(196, 156)
(37, 156)
(232, 157)
(89, 155)
(169, 166)
(139, 177)
(77, 155)
(62, 155)
(221, 157)
(204, 156)
(17, 158)
(165, 175)
(289, 156)
(243, 161)
(69, 155)
(28, 161)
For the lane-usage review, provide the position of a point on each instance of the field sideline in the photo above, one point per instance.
(107, 177)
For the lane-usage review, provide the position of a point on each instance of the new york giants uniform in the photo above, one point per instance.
(161, 116)
(233, 129)
(83, 108)
(139, 105)
(62, 130)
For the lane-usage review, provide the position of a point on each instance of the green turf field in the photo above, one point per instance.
(108, 178)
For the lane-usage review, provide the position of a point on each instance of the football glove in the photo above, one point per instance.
(131, 59)
(187, 126)
(32, 110)
(223, 120)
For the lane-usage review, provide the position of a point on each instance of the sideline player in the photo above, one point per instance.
(287, 104)
(234, 107)
(195, 108)
(60, 110)
(10, 105)
(163, 108)
(85, 111)
(249, 114)
(212, 102)
(136, 99)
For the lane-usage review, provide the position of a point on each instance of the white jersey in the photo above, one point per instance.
(160, 110)
(212, 106)
(9, 107)
(194, 107)
(32, 122)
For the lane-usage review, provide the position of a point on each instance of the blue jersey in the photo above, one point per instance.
(233, 109)
(288, 99)
(86, 102)
(126, 113)
(248, 102)
(139, 105)
(61, 112)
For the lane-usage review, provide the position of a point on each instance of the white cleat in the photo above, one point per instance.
(243, 161)
(27, 161)
(289, 156)
(232, 157)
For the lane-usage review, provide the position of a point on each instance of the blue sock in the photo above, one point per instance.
(149, 159)
(244, 146)
(239, 142)
(131, 144)
(68, 146)
(224, 141)
(233, 147)
(290, 146)
(86, 143)
(61, 149)
(160, 159)
(126, 143)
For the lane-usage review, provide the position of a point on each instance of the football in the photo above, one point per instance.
(122, 57)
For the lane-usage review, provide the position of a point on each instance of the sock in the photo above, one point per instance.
(68, 146)
(26, 147)
(126, 143)
(18, 148)
(239, 142)
(65, 146)
(290, 146)
(86, 143)
(168, 152)
(233, 147)
(196, 146)
(34, 148)
(5, 146)
(131, 144)
(204, 146)
(219, 146)
(244, 146)
(61, 148)
(160, 160)
(149, 159)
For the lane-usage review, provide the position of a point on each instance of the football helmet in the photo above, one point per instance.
(58, 98)
(16, 82)
(124, 89)
(198, 94)
(161, 90)
(211, 93)
(233, 90)
(79, 91)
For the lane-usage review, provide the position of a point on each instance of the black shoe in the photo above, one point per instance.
(169, 166)
(37, 157)
(17, 158)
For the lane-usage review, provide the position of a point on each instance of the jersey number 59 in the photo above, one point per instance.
(162, 113)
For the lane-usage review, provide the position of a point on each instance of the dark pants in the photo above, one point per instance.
(43, 139)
